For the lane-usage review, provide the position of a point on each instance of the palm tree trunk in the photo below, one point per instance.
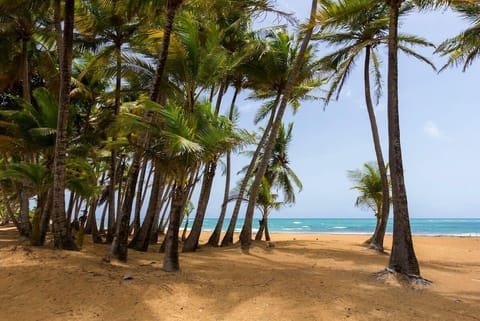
(113, 157)
(267, 232)
(141, 190)
(261, 229)
(91, 216)
(172, 7)
(25, 227)
(101, 228)
(62, 236)
(170, 256)
(377, 239)
(119, 246)
(57, 20)
(191, 243)
(141, 240)
(71, 203)
(45, 220)
(35, 239)
(246, 233)
(221, 92)
(215, 237)
(25, 72)
(228, 238)
(161, 223)
(402, 257)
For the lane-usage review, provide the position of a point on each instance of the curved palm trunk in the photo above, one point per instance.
(191, 243)
(376, 241)
(228, 238)
(170, 256)
(215, 237)
(402, 258)
(62, 237)
(120, 245)
(246, 233)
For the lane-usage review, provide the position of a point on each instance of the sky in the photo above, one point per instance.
(440, 131)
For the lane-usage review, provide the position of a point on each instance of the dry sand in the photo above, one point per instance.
(304, 277)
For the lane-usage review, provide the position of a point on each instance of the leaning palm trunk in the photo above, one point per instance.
(376, 242)
(141, 239)
(91, 223)
(160, 223)
(215, 237)
(120, 244)
(62, 236)
(246, 233)
(228, 238)
(191, 243)
(402, 258)
(142, 189)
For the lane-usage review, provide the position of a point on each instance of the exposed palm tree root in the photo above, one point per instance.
(377, 248)
(388, 275)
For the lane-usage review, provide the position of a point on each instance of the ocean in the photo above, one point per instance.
(420, 226)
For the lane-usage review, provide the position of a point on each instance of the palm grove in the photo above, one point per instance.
(114, 112)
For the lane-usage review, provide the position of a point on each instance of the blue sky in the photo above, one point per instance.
(440, 129)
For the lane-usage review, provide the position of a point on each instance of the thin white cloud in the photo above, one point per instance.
(247, 108)
(433, 131)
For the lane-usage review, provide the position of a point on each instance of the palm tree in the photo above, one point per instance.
(278, 176)
(226, 137)
(368, 183)
(120, 244)
(107, 29)
(188, 141)
(62, 235)
(268, 75)
(463, 49)
(245, 236)
(363, 31)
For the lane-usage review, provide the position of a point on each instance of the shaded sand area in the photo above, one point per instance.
(303, 277)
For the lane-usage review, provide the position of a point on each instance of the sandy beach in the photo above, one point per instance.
(302, 277)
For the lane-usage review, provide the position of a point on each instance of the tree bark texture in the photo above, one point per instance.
(402, 257)
(170, 255)
(62, 236)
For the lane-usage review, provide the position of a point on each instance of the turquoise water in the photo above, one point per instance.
(420, 226)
